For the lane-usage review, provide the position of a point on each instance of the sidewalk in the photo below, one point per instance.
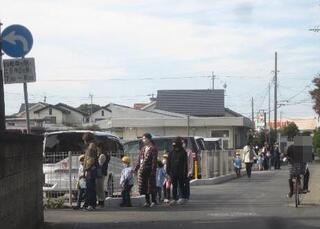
(313, 198)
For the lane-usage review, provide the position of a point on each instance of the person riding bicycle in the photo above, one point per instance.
(296, 169)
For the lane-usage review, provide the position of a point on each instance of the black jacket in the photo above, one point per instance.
(177, 163)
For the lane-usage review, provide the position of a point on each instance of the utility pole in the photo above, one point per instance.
(91, 101)
(252, 113)
(213, 77)
(2, 104)
(269, 112)
(275, 90)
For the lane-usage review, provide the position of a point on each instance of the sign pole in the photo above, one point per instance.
(25, 91)
(2, 103)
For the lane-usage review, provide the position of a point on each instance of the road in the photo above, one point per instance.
(258, 202)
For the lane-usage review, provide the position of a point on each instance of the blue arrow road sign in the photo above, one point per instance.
(17, 41)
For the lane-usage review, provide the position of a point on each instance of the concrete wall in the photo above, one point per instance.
(21, 179)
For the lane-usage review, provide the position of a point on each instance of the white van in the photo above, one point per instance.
(56, 147)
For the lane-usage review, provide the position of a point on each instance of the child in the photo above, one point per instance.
(260, 161)
(81, 185)
(167, 181)
(161, 175)
(126, 182)
(237, 164)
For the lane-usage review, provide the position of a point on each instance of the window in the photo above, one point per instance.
(102, 113)
(50, 111)
(220, 133)
(50, 120)
(11, 124)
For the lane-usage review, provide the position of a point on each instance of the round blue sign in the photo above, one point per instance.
(17, 41)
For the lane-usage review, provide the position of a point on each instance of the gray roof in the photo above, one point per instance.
(192, 102)
(23, 106)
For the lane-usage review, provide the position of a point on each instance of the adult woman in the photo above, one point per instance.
(177, 170)
(103, 161)
(90, 170)
(146, 168)
(248, 158)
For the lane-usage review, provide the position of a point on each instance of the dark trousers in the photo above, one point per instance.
(159, 194)
(126, 199)
(166, 192)
(91, 197)
(249, 169)
(153, 198)
(277, 163)
(306, 180)
(178, 181)
(81, 196)
(187, 188)
(237, 170)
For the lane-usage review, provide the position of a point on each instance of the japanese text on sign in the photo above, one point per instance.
(19, 70)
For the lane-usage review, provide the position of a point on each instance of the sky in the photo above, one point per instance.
(124, 51)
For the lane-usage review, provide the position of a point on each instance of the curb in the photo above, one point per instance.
(137, 201)
(215, 180)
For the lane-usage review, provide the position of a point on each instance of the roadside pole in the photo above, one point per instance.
(25, 92)
(16, 42)
(70, 177)
(2, 103)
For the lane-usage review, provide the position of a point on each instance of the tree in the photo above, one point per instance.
(87, 108)
(316, 141)
(291, 131)
(315, 94)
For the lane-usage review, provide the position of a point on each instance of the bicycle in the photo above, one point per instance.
(297, 190)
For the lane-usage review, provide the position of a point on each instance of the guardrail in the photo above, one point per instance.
(216, 163)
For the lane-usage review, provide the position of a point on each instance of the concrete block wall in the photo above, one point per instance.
(21, 180)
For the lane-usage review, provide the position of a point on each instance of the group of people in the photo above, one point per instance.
(157, 180)
(268, 156)
(263, 157)
(166, 180)
(92, 171)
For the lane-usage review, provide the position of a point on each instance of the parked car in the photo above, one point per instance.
(212, 143)
(57, 145)
(163, 145)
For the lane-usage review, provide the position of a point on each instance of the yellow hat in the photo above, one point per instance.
(126, 160)
(165, 155)
(237, 153)
(81, 157)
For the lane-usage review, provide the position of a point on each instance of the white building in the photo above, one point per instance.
(47, 117)
(214, 121)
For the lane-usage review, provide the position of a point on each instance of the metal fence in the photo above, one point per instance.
(61, 176)
(216, 163)
(61, 172)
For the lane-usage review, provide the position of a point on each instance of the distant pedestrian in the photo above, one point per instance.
(190, 169)
(126, 182)
(177, 170)
(81, 184)
(248, 158)
(161, 175)
(90, 170)
(167, 181)
(260, 161)
(146, 168)
(277, 160)
(267, 156)
(237, 164)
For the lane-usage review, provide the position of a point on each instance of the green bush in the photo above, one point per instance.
(55, 203)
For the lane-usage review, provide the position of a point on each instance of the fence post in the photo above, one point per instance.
(70, 177)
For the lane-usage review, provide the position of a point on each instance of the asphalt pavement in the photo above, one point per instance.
(258, 202)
